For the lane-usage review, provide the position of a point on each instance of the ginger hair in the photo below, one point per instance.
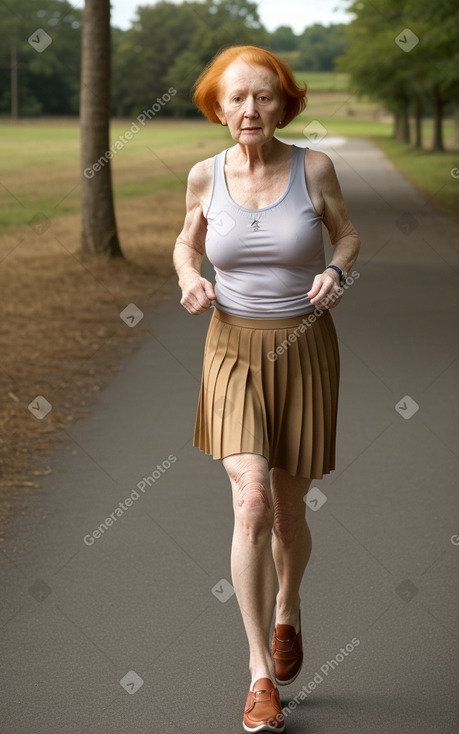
(207, 86)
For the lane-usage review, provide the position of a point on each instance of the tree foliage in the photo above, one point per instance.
(319, 46)
(48, 81)
(405, 54)
(168, 44)
(284, 39)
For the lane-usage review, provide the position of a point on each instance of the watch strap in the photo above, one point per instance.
(338, 270)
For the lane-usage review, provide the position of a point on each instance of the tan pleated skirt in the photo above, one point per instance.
(270, 387)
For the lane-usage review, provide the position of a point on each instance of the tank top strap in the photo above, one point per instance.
(219, 183)
(221, 178)
(219, 166)
(298, 177)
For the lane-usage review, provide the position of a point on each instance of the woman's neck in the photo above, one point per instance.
(251, 157)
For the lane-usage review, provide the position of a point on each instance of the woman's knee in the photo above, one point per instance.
(287, 525)
(249, 478)
(288, 505)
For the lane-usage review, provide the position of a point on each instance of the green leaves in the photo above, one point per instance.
(402, 51)
(48, 77)
(170, 44)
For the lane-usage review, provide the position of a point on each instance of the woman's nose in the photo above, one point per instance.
(250, 109)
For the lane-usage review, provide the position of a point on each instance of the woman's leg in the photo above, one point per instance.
(291, 542)
(252, 566)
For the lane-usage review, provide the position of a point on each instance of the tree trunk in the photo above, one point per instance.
(402, 126)
(456, 124)
(14, 83)
(99, 233)
(405, 123)
(437, 103)
(418, 125)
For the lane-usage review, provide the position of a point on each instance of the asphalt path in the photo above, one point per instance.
(134, 628)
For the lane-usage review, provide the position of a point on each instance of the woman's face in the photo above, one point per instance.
(250, 102)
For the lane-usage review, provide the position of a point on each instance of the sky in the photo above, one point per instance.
(295, 13)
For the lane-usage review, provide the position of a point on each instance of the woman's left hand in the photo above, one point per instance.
(326, 291)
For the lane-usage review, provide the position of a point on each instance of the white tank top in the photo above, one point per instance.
(265, 259)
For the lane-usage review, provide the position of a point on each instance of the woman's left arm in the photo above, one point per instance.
(326, 291)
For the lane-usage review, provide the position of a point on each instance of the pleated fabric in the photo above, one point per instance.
(270, 387)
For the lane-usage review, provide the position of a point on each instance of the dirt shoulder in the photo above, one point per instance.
(62, 335)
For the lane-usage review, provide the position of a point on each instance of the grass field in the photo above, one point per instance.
(40, 160)
(324, 81)
(434, 174)
(40, 164)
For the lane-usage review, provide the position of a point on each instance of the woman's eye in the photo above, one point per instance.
(262, 98)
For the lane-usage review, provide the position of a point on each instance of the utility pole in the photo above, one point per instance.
(14, 83)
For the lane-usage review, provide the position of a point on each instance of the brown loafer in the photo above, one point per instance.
(263, 710)
(287, 651)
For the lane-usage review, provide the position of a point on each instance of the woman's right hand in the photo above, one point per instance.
(197, 295)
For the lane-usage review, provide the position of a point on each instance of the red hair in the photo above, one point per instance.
(207, 86)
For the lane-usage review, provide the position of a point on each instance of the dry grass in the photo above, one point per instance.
(62, 335)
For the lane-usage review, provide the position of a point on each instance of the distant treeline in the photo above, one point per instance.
(167, 46)
(403, 53)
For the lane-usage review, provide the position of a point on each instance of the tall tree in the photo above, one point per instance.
(439, 56)
(99, 232)
(405, 53)
(378, 67)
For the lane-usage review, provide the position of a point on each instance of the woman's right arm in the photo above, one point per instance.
(197, 292)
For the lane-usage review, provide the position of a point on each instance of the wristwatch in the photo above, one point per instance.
(342, 274)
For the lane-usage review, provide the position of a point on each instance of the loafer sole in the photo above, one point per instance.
(287, 682)
(263, 727)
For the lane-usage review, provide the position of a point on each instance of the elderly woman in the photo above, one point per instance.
(269, 390)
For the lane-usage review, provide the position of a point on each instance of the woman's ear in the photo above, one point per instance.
(284, 111)
(220, 114)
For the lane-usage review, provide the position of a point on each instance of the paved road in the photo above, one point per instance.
(135, 605)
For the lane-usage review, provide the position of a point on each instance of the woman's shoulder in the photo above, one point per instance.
(318, 163)
(201, 174)
(200, 179)
(203, 169)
